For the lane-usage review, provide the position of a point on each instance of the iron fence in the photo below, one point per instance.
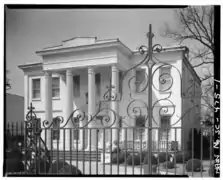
(125, 156)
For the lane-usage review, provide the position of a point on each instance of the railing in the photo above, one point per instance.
(103, 160)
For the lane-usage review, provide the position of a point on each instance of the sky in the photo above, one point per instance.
(30, 30)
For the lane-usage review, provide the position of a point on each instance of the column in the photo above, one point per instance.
(26, 95)
(91, 108)
(69, 109)
(48, 105)
(114, 102)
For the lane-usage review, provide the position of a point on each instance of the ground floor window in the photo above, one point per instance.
(164, 131)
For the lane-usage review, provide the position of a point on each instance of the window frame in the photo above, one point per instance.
(164, 130)
(77, 93)
(138, 83)
(35, 89)
(98, 84)
(53, 88)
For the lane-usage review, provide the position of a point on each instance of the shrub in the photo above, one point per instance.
(211, 170)
(168, 165)
(180, 155)
(118, 158)
(133, 159)
(13, 161)
(143, 154)
(197, 165)
(153, 160)
(57, 165)
(163, 156)
(70, 169)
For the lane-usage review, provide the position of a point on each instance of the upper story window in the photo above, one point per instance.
(55, 87)
(98, 83)
(36, 88)
(165, 80)
(140, 79)
(76, 86)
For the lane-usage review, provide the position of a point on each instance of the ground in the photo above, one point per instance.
(108, 169)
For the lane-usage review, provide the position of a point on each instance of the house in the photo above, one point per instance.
(77, 76)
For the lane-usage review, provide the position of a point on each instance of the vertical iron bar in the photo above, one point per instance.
(126, 151)
(51, 145)
(158, 159)
(64, 155)
(182, 144)
(97, 151)
(150, 51)
(77, 139)
(70, 130)
(167, 140)
(111, 151)
(133, 150)
(175, 149)
(201, 168)
(104, 151)
(45, 149)
(141, 154)
(192, 152)
(58, 155)
(90, 151)
(83, 150)
(118, 159)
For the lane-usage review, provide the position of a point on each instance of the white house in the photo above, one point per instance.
(76, 74)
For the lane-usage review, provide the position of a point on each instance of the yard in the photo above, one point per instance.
(98, 168)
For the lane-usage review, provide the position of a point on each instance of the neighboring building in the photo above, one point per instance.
(75, 75)
(14, 108)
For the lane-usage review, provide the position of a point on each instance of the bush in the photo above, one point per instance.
(153, 160)
(143, 154)
(211, 170)
(119, 158)
(168, 165)
(57, 165)
(180, 155)
(163, 156)
(13, 161)
(70, 169)
(197, 165)
(133, 160)
(62, 167)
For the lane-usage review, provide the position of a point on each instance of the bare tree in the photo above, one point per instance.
(196, 27)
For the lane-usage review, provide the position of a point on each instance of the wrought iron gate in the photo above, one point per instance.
(136, 149)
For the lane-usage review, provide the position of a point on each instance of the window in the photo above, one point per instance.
(76, 86)
(55, 87)
(36, 88)
(76, 129)
(165, 80)
(164, 128)
(140, 127)
(56, 129)
(140, 79)
(98, 84)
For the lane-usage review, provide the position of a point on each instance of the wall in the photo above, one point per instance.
(190, 98)
(14, 110)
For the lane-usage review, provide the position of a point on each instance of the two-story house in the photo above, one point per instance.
(77, 74)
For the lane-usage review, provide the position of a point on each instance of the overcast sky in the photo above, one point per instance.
(30, 30)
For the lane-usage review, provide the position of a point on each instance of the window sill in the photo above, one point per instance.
(36, 99)
(55, 98)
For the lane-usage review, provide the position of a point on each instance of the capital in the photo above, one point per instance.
(69, 72)
(91, 70)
